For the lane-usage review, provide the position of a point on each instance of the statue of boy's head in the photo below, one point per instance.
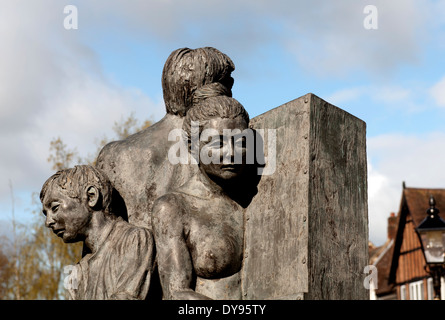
(69, 198)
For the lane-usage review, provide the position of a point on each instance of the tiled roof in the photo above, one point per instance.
(417, 201)
(414, 205)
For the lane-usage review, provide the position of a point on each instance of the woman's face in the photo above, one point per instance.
(222, 151)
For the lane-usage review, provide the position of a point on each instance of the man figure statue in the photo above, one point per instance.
(76, 203)
(138, 166)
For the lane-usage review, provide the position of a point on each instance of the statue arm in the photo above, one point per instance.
(134, 262)
(174, 260)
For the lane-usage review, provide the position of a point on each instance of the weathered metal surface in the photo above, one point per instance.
(338, 211)
(276, 246)
(306, 229)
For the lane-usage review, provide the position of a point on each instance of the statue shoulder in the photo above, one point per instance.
(169, 211)
(108, 153)
(122, 152)
(132, 235)
(168, 202)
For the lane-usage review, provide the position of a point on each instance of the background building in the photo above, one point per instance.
(401, 265)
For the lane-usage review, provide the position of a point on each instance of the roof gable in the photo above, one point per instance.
(417, 201)
(413, 205)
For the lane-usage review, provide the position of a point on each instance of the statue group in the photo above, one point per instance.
(180, 210)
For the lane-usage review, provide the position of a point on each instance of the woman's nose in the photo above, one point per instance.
(228, 150)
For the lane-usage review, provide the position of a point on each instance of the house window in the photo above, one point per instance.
(430, 289)
(403, 292)
(442, 288)
(416, 290)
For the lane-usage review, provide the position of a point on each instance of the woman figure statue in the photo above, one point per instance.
(198, 228)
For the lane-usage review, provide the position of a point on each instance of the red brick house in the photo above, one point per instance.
(407, 275)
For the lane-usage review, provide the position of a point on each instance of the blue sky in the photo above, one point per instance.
(76, 83)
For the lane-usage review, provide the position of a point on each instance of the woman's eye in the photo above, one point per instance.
(216, 143)
(240, 142)
(55, 208)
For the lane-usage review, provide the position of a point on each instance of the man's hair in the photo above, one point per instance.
(74, 182)
(186, 70)
(213, 107)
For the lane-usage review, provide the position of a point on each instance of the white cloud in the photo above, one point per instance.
(346, 95)
(394, 158)
(383, 198)
(437, 92)
(325, 37)
(390, 95)
(52, 85)
(329, 37)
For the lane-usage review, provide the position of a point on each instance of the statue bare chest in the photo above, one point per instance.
(214, 234)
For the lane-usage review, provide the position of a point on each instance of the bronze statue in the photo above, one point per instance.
(77, 206)
(138, 166)
(198, 227)
(219, 227)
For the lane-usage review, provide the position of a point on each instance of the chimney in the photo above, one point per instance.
(392, 226)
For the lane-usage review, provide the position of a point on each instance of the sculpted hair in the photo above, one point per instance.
(74, 182)
(213, 107)
(187, 70)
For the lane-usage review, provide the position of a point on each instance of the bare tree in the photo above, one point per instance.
(33, 267)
